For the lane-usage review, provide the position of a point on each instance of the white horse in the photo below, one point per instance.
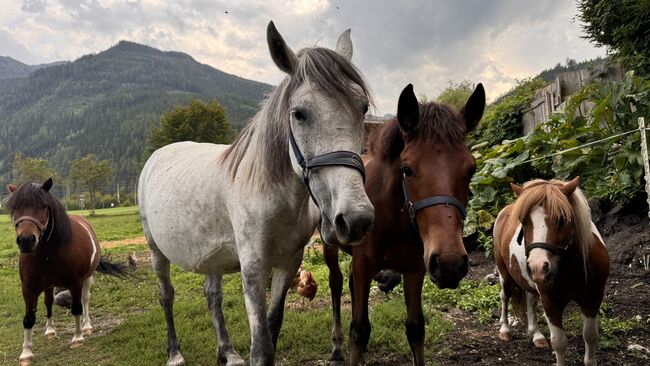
(217, 209)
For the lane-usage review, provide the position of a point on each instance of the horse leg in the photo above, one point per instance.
(50, 332)
(553, 313)
(255, 275)
(160, 265)
(506, 292)
(86, 328)
(360, 326)
(214, 295)
(31, 300)
(590, 335)
(282, 278)
(331, 254)
(77, 311)
(531, 313)
(414, 318)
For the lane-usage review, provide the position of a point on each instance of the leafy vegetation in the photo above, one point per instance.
(456, 94)
(90, 174)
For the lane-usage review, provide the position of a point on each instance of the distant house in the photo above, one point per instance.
(553, 96)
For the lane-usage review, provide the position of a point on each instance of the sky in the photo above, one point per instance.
(428, 43)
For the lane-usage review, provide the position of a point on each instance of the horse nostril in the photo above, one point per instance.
(434, 267)
(341, 225)
(545, 267)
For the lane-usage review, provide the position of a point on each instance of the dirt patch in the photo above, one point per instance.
(625, 230)
(118, 243)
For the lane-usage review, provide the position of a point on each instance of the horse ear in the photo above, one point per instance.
(281, 54)
(344, 45)
(12, 188)
(47, 185)
(408, 109)
(517, 189)
(570, 187)
(473, 109)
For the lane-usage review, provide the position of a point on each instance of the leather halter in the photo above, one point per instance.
(39, 225)
(335, 158)
(413, 208)
(555, 249)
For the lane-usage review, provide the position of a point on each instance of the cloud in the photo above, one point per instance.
(395, 43)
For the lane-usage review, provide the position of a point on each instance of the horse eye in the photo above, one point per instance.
(561, 222)
(406, 170)
(299, 115)
(365, 108)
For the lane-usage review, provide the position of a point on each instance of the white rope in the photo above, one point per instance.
(580, 147)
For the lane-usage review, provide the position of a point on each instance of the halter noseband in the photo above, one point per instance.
(541, 245)
(335, 158)
(413, 208)
(39, 225)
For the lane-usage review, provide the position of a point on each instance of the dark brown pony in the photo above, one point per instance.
(546, 245)
(418, 181)
(55, 250)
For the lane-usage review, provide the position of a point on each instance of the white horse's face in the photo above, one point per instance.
(322, 125)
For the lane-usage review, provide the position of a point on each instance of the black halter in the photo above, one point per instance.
(555, 249)
(413, 208)
(335, 158)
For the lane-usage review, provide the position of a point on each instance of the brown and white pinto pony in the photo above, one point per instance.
(547, 247)
(55, 250)
(419, 157)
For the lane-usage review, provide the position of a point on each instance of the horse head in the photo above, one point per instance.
(326, 100)
(437, 167)
(30, 213)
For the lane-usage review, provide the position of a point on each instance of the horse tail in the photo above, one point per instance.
(113, 269)
(519, 302)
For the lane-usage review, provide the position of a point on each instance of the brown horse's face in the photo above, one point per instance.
(29, 222)
(437, 168)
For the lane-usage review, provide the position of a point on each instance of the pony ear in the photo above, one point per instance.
(47, 185)
(281, 54)
(408, 109)
(12, 188)
(473, 109)
(570, 187)
(517, 189)
(344, 45)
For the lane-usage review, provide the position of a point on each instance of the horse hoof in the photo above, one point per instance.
(337, 357)
(26, 360)
(176, 360)
(506, 337)
(540, 343)
(87, 331)
(76, 343)
(50, 334)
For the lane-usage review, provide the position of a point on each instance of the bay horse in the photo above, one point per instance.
(252, 206)
(417, 178)
(55, 250)
(547, 247)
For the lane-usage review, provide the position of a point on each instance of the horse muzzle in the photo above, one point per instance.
(26, 244)
(447, 271)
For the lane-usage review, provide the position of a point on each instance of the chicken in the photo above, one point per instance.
(307, 286)
(387, 280)
(133, 261)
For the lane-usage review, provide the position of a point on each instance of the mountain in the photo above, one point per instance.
(11, 68)
(105, 103)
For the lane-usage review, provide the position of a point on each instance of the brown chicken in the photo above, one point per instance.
(307, 286)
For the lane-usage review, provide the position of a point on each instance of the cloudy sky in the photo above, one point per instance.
(428, 43)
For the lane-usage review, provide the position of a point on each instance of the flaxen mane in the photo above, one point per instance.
(437, 123)
(260, 154)
(31, 195)
(574, 209)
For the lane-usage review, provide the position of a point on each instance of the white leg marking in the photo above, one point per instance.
(85, 300)
(78, 338)
(590, 335)
(92, 239)
(27, 356)
(50, 332)
(533, 329)
(558, 341)
(504, 330)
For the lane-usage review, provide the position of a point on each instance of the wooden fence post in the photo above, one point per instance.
(646, 163)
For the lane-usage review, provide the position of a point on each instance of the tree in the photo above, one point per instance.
(622, 26)
(26, 170)
(456, 94)
(91, 174)
(198, 122)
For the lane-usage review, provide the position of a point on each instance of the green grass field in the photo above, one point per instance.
(130, 328)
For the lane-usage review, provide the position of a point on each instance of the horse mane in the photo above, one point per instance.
(438, 123)
(265, 137)
(574, 209)
(30, 195)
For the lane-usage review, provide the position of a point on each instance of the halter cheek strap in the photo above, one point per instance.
(335, 158)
